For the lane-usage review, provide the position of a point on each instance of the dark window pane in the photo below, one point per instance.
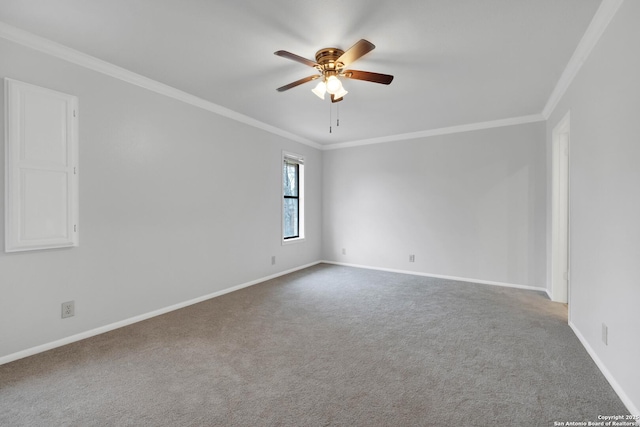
(290, 218)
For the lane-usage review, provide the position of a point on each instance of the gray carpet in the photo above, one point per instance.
(327, 345)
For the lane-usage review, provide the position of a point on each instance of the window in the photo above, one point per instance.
(41, 198)
(293, 197)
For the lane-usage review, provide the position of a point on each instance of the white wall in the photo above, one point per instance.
(468, 205)
(604, 101)
(175, 203)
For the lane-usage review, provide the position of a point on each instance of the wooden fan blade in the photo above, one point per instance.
(356, 51)
(297, 83)
(333, 98)
(384, 79)
(297, 58)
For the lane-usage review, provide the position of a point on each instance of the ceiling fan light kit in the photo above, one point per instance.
(331, 64)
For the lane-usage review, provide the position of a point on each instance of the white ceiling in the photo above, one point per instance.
(455, 62)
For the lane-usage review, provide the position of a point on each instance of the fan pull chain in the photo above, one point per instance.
(338, 114)
(329, 117)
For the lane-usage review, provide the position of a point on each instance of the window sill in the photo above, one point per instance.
(292, 241)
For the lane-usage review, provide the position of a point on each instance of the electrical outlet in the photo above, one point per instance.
(273, 260)
(344, 251)
(412, 258)
(68, 309)
(605, 334)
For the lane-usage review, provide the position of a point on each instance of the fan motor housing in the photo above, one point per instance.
(327, 58)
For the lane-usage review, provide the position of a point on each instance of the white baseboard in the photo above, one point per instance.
(106, 328)
(614, 384)
(439, 276)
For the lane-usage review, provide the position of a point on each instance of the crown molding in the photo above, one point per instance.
(596, 28)
(440, 131)
(57, 50)
(599, 23)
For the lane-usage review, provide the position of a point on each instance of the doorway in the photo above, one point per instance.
(560, 277)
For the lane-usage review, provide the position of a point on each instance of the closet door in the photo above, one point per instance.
(41, 171)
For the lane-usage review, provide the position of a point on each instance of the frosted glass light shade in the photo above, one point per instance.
(320, 90)
(333, 85)
(340, 93)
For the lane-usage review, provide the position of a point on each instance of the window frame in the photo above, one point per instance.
(29, 206)
(288, 157)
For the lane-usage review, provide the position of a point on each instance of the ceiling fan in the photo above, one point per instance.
(331, 64)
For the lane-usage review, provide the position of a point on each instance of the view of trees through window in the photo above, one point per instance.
(291, 180)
